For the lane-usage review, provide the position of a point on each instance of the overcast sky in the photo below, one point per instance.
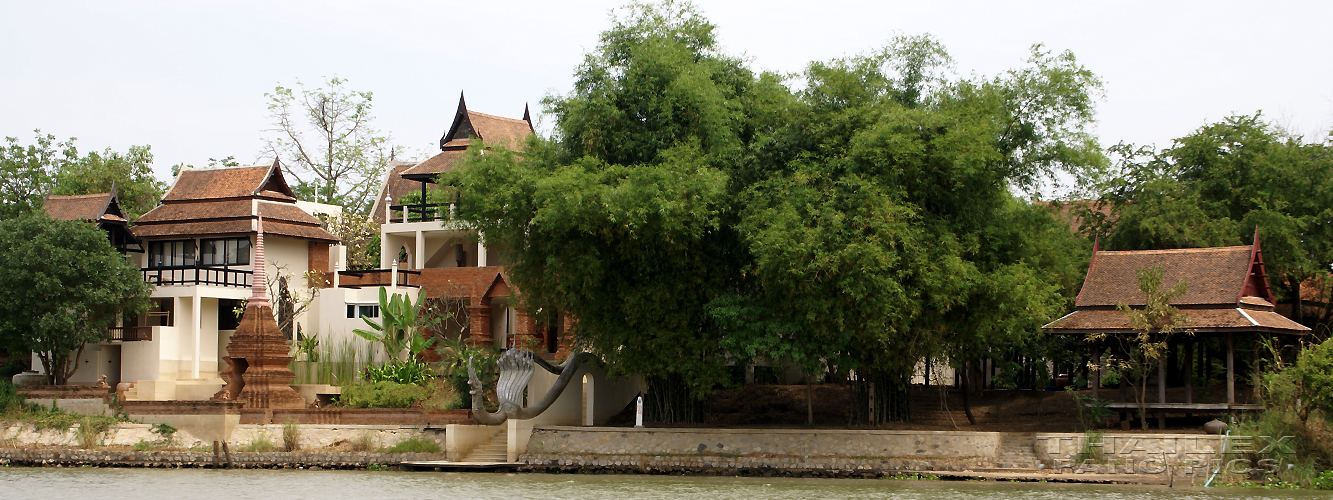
(189, 78)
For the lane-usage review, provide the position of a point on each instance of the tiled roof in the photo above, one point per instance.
(444, 161)
(79, 207)
(192, 209)
(498, 130)
(396, 186)
(230, 182)
(460, 281)
(1213, 275)
(1201, 320)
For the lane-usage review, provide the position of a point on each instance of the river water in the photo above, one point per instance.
(18, 483)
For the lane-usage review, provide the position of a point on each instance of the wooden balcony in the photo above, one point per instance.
(129, 333)
(196, 275)
(375, 278)
(416, 213)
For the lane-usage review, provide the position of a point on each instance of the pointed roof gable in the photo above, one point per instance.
(467, 125)
(265, 181)
(507, 132)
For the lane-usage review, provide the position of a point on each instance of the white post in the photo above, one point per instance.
(638, 414)
(388, 213)
(337, 266)
(393, 274)
(481, 250)
(198, 335)
(588, 396)
(419, 260)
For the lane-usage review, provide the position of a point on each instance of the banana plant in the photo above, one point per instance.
(400, 327)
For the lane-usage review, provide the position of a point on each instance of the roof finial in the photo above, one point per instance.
(259, 285)
(1256, 236)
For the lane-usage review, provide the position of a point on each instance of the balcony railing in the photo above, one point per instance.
(416, 213)
(130, 333)
(196, 275)
(378, 278)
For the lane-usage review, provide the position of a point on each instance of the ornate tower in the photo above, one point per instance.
(257, 372)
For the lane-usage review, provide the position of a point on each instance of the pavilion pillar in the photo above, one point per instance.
(1231, 369)
(1189, 372)
(1256, 375)
(1161, 389)
(1096, 374)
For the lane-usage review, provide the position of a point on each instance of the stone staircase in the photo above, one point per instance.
(495, 450)
(928, 408)
(1016, 451)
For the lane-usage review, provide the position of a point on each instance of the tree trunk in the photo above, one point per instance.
(1297, 309)
(967, 387)
(809, 402)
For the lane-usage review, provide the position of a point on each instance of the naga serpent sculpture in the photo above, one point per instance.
(516, 368)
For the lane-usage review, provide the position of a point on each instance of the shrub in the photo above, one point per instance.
(1324, 481)
(165, 431)
(414, 445)
(143, 445)
(291, 435)
(91, 431)
(10, 399)
(364, 442)
(402, 372)
(383, 395)
(260, 442)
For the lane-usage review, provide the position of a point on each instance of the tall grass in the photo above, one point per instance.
(339, 363)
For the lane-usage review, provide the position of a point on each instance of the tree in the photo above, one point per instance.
(689, 210)
(360, 234)
(61, 286)
(326, 137)
(131, 174)
(25, 173)
(1154, 326)
(1215, 186)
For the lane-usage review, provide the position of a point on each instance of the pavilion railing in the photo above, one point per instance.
(130, 333)
(196, 275)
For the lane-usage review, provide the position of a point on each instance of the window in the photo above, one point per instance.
(228, 252)
(171, 253)
(363, 311)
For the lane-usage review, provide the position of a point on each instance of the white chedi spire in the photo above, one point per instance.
(259, 285)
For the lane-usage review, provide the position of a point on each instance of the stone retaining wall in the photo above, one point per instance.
(246, 460)
(762, 448)
(311, 436)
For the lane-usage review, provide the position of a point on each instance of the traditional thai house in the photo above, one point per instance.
(1228, 298)
(198, 256)
(451, 261)
(102, 209)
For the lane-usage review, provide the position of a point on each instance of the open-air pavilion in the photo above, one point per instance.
(1228, 298)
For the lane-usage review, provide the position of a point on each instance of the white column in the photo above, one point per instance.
(198, 321)
(419, 260)
(481, 250)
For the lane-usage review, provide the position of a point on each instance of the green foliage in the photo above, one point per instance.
(144, 445)
(1091, 411)
(401, 325)
(377, 467)
(1090, 447)
(26, 173)
(410, 372)
(166, 431)
(382, 395)
(130, 174)
(1313, 374)
(327, 140)
(1324, 481)
(10, 399)
(61, 286)
(689, 209)
(414, 445)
